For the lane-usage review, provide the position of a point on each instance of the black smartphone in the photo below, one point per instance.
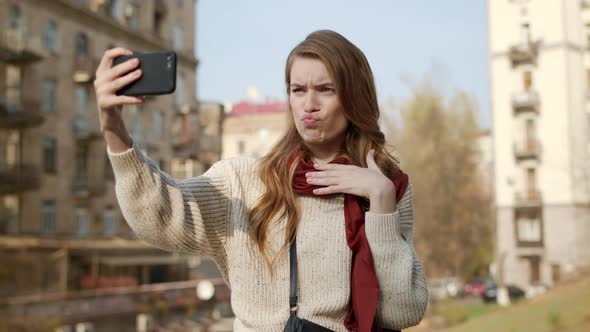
(158, 73)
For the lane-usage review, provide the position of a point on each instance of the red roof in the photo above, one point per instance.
(245, 107)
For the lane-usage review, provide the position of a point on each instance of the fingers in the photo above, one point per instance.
(323, 181)
(107, 59)
(120, 82)
(111, 79)
(114, 100)
(119, 70)
(329, 190)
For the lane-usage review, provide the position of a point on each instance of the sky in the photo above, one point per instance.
(242, 45)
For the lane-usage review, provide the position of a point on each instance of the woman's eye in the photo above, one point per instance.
(326, 89)
(296, 90)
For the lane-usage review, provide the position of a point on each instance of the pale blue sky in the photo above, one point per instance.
(244, 43)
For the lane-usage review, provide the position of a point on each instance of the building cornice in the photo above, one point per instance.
(85, 16)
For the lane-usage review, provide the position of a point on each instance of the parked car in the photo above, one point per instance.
(514, 293)
(478, 286)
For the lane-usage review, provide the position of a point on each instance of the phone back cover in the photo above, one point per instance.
(158, 74)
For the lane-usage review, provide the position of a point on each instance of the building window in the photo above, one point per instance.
(110, 222)
(531, 180)
(525, 33)
(136, 124)
(81, 100)
(530, 129)
(179, 94)
(48, 217)
(527, 80)
(178, 41)
(9, 214)
(158, 124)
(82, 228)
(158, 20)
(117, 9)
(49, 155)
(49, 93)
(529, 230)
(15, 18)
(241, 147)
(81, 45)
(132, 15)
(51, 37)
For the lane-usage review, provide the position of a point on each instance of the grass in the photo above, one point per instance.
(565, 308)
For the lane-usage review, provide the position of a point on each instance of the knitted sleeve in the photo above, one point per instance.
(188, 215)
(403, 290)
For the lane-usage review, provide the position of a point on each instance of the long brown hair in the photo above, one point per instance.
(355, 86)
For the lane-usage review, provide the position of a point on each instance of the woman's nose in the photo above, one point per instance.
(310, 102)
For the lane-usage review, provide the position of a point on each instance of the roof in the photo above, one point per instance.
(245, 107)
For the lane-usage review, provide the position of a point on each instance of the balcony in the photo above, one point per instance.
(15, 179)
(17, 48)
(22, 114)
(528, 199)
(524, 53)
(84, 68)
(118, 301)
(85, 131)
(526, 101)
(84, 187)
(529, 149)
(185, 108)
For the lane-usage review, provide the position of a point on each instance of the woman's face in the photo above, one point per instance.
(316, 107)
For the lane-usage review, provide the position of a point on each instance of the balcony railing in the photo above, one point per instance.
(529, 198)
(16, 46)
(84, 68)
(22, 114)
(90, 304)
(524, 53)
(530, 148)
(527, 101)
(18, 178)
(186, 108)
(83, 187)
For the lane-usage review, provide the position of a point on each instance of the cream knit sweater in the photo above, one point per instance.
(208, 215)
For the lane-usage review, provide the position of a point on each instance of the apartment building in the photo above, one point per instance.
(251, 129)
(58, 209)
(540, 75)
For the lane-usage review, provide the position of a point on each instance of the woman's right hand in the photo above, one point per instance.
(107, 81)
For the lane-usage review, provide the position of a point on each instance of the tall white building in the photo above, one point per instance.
(540, 74)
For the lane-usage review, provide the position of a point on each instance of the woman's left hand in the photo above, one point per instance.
(368, 182)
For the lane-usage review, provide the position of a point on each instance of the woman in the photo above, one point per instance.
(328, 199)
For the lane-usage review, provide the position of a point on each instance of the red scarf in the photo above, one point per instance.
(364, 287)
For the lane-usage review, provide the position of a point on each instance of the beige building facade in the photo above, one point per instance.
(57, 193)
(251, 129)
(539, 67)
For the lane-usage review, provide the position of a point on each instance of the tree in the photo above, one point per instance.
(438, 147)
